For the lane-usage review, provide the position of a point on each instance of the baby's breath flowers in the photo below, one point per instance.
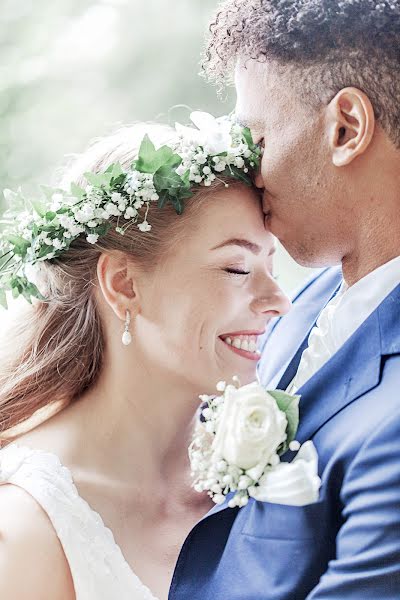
(218, 146)
(35, 231)
(237, 446)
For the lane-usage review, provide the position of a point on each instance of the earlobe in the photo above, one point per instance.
(117, 284)
(351, 125)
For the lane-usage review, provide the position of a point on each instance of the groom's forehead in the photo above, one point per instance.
(258, 98)
(265, 111)
(263, 83)
(258, 76)
(249, 107)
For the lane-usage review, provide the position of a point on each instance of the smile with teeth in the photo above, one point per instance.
(246, 343)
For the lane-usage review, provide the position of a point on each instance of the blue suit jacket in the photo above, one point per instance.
(346, 545)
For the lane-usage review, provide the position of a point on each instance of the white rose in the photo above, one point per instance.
(296, 483)
(250, 429)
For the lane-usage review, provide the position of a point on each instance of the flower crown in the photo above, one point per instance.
(35, 231)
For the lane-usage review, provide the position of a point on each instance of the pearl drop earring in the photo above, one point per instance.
(126, 336)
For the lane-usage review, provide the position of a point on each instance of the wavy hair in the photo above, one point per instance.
(53, 350)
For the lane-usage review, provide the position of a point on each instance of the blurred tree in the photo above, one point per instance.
(73, 70)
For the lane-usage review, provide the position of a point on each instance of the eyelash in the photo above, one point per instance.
(237, 272)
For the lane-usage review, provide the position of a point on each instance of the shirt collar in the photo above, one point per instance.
(354, 304)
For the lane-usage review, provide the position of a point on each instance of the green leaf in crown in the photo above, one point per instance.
(151, 160)
(34, 230)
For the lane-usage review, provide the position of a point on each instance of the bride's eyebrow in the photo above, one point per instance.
(254, 248)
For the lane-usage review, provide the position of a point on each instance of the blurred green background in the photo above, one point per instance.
(72, 70)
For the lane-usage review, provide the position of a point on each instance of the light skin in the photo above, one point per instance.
(126, 439)
(330, 175)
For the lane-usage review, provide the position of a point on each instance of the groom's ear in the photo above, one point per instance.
(351, 125)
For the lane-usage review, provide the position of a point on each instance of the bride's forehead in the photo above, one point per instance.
(233, 203)
(239, 223)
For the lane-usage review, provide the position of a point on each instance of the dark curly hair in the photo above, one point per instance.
(328, 44)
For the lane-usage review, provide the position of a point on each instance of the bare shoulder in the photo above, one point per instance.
(32, 562)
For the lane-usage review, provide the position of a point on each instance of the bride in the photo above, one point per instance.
(138, 310)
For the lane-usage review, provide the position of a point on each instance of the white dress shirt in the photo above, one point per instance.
(342, 316)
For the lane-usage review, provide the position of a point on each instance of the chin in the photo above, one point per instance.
(300, 257)
(305, 256)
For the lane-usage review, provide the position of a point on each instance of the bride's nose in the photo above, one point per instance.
(271, 301)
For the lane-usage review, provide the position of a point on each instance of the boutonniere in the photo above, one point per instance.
(238, 442)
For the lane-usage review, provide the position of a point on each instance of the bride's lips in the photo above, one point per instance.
(243, 343)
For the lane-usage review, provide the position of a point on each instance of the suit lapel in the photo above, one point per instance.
(353, 370)
(292, 367)
(291, 370)
(285, 336)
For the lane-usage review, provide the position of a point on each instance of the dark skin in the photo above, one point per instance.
(330, 175)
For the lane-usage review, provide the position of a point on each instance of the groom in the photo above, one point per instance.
(318, 83)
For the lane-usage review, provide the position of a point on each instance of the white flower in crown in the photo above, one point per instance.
(144, 227)
(33, 231)
(92, 238)
(213, 134)
(237, 446)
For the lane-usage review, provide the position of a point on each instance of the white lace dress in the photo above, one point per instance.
(98, 567)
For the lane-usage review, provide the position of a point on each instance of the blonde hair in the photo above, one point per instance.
(56, 346)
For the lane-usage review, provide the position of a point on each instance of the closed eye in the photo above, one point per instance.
(237, 272)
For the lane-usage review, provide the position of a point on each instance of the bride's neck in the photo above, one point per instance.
(136, 426)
